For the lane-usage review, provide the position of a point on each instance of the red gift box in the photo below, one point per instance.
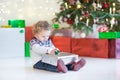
(100, 48)
(114, 48)
(90, 47)
(62, 43)
(28, 33)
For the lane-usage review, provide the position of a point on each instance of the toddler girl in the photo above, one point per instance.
(41, 44)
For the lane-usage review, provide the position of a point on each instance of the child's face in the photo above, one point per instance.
(43, 35)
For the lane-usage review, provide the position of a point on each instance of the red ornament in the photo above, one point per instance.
(87, 1)
(105, 5)
(69, 21)
(64, 19)
(72, 2)
(86, 13)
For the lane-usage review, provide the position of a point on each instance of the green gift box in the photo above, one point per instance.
(118, 34)
(109, 35)
(16, 23)
(27, 49)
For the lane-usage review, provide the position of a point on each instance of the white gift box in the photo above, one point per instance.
(12, 42)
(52, 59)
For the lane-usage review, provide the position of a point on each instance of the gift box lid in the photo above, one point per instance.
(52, 59)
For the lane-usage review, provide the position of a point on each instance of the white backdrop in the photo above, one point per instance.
(29, 10)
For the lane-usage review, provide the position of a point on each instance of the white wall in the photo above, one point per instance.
(29, 10)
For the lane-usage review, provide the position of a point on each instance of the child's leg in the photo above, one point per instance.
(45, 66)
(76, 65)
(69, 66)
(59, 68)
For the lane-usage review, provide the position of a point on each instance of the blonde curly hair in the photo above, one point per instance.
(41, 25)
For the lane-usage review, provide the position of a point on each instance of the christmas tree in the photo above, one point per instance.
(83, 14)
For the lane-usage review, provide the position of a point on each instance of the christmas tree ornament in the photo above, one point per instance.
(94, 6)
(105, 5)
(65, 19)
(87, 1)
(68, 15)
(56, 25)
(69, 21)
(86, 13)
(72, 2)
(82, 12)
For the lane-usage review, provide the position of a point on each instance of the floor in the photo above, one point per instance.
(96, 69)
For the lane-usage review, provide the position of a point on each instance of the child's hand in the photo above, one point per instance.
(54, 50)
(57, 52)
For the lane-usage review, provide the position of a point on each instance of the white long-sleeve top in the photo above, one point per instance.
(38, 48)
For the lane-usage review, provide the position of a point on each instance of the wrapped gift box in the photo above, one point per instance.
(62, 43)
(90, 47)
(28, 33)
(66, 57)
(16, 23)
(118, 34)
(27, 49)
(12, 42)
(114, 48)
(5, 26)
(109, 35)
